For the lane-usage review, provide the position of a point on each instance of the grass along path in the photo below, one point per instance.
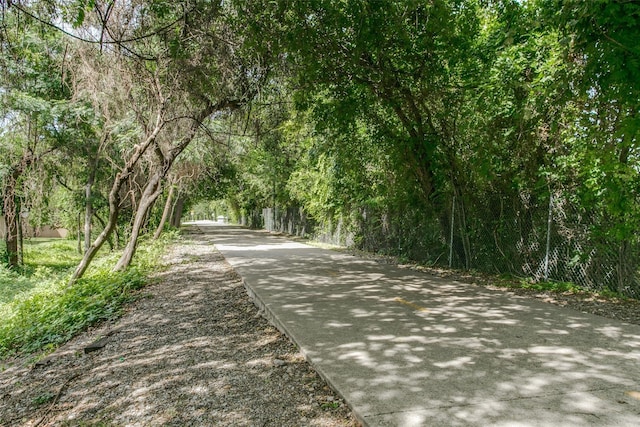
(39, 311)
(44, 260)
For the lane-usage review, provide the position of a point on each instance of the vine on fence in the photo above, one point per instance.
(554, 241)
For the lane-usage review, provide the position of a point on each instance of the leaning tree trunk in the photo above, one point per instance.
(104, 225)
(151, 192)
(165, 213)
(88, 208)
(153, 189)
(90, 253)
(114, 201)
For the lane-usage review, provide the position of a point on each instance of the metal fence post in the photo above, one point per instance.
(453, 208)
(549, 221)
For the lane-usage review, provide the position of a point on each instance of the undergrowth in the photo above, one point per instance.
(40, 311)
(507, 281)
(545, 285)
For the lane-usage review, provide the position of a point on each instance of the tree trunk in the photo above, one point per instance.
(91, 252)
(79, 233)
(88, 214)
(11, 209)
(88, 205)
(11, 237)
(20, 241)
(176, 213)
(116, 237)
(104, 225)
(153, 188)
(151, 192)
(464, 234)
(165, 213)
(114, 201)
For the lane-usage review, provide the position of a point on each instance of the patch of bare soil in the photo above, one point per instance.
(192, 351)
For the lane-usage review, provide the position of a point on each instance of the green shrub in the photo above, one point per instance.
(48, 312)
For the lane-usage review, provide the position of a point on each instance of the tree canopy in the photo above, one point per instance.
(493, 135)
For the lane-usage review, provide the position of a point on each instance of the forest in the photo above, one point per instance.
(498, 136)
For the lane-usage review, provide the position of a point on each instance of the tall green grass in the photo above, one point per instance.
(58, 255)
(39, 311)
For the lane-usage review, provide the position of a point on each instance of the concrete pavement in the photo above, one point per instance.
(405, 348)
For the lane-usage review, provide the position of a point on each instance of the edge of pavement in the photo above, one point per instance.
(265, 311)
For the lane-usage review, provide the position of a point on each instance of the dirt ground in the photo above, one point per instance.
(191, 351)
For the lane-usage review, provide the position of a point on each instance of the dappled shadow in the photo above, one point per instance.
(191, 352)
(406, 348)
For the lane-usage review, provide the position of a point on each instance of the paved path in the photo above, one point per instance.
(408, 349)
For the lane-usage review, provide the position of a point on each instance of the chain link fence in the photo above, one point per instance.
(543, 239)
(295, 222)
(549, 240)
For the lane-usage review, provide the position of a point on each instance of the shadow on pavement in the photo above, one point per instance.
(408, 349)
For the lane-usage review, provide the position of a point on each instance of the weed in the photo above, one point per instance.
(330, 405)
(551, 286)
(43, 398)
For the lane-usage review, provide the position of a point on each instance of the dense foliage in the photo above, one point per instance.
(495, 135)
(499, 136)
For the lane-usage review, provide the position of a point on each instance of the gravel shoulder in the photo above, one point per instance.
(191, 351)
